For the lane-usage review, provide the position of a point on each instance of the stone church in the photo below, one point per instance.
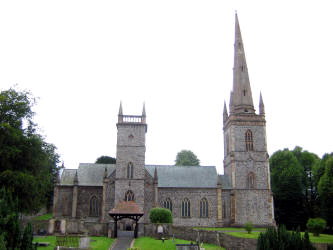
(196, 195)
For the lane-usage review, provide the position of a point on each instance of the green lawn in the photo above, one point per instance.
(147, 243)
(100, 243)
(323, 238)
(43, 217)
(261, 229)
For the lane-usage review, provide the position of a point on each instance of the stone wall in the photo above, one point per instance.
(85, 193)
(176, 195)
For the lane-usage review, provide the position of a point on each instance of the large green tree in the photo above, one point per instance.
(28, 164)
(288, 189)
(187, 158)
(106, 160)
(325, 189)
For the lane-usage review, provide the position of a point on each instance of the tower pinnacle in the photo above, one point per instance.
(261, 105)
(241, 95)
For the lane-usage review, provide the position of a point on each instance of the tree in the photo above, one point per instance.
(187, 158)
(28, 165)
(316, 225)
(308, 161)
(325, 189)
(288, 187)
(160, 215)
(104, 159)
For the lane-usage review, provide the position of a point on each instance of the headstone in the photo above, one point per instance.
(50, 229)
(63, 226)
(84, 242)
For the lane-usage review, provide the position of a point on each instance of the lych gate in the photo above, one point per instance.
(126, 209)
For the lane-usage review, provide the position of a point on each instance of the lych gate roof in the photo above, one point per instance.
(89, 174)
(126, 207)
(184, 176)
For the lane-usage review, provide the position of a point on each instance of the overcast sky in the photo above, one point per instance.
(81, 58)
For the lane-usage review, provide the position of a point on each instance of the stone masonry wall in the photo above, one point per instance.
(194, 195)
(85, 193)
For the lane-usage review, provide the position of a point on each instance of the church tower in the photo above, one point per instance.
(245, 149)
(130, 165)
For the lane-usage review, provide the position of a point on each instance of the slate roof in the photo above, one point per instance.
(225, 181)
(184, 176)
(89, 174)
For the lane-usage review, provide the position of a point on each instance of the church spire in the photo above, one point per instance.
(241, 95)
(261, 105)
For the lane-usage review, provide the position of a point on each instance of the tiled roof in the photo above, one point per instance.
(185, 176)
(126, 207)
(89, 174)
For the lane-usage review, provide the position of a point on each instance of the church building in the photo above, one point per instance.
(85, 197)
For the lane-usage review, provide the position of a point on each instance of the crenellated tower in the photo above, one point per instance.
(245, 148)
(130, 165)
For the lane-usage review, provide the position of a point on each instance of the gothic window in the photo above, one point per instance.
(167, 203)
(249, 140)
(130, 170)
(129, 196)
(204, 208)
(251, 180)
(94, 207)
(186, 208)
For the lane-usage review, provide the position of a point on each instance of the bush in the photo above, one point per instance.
(276, 239)
(316, 225)
(248, 226)
(160, 215)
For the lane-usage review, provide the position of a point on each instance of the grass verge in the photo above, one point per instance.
(323, 238)
(100, 243)
(261, 229)
(43, 217)
(147, 243)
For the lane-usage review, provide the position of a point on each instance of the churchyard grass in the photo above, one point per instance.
(43, 217)
(100, 243)
(147, 243)
(323, 238)
(261, 229)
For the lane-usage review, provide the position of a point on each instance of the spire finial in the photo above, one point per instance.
(261, 105)
(105, 173)
(144, 109)
(76, 178)
(225, 112)
(155, 175)
(120, 109)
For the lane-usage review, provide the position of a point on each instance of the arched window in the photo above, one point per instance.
(94, 207)
(251, 180)
(249, 140)
(130, 170)
(204, 208)
(129, 196)
(167, 203)
(186, 208)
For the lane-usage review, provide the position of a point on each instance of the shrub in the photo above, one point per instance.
(276, 239)
(248, 226)
(316, 225)
(160, 215)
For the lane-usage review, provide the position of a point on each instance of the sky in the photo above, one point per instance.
(81, 58)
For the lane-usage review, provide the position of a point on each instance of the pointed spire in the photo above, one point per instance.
(241, 96)
(225, 113)
(144, 110)
(155, 176)
(105, 173)
(76, 179)
(120, 113)
(120, 109)
(261, 106)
